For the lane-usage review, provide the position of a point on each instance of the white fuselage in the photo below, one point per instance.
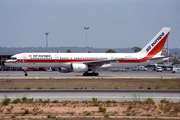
(125, 60)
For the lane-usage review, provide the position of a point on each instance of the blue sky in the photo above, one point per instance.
(113, 23)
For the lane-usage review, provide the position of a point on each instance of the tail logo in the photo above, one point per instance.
(155, 41)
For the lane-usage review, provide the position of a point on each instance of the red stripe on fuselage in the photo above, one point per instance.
(71, 61)
(54, 60)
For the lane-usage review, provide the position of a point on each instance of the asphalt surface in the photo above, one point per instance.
(79, 95)
(102, 95)
(104, 74)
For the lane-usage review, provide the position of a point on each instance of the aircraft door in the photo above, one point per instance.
(112, 57)
(24, 58)
(56, 58)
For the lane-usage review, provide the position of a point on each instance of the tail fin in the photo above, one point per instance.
(155, 46)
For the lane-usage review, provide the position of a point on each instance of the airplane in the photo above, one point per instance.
(88, 63)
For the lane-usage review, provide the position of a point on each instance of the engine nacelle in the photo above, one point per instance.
(65, 70)
(79, 67)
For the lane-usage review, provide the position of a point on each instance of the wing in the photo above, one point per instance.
(101, 62)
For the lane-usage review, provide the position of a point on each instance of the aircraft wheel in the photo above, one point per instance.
(92, 74)
(89, 74)
(96, 74)
(85, 74)
(26, 74)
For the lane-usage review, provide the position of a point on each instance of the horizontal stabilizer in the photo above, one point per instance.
(157, 58)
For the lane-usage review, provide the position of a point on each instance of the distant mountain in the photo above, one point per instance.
(13, 50)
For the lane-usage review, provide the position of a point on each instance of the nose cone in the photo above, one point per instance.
(6, 63)
(9, 63)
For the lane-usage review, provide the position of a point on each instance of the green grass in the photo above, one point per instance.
(128, 114)
(6, 101)
(55, 101)
(17, 87)
(94, 99)
(101, 109)
(149, 88)
(40, 88)
(172, 85)
(52, 88)
(24, 99)
(13, 116)
(18, 100)
(28, 88)
(108, 101)
(141, 87)
(49, 116)
(47, 101)
(88, 113)
(35, 114)
(164, 101)
(116, 88)
(149, 100)
(158, 84)
(130, 106)
(26, 111)
(106, 115)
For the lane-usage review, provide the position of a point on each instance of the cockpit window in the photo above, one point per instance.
(13, 58)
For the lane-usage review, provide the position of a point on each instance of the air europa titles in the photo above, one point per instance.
(155, 42)
(40, 56)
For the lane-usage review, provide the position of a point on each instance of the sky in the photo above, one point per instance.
(112, 23)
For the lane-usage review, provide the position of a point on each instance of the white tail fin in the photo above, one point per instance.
(155, 46)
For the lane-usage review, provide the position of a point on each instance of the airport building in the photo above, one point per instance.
(3, 58)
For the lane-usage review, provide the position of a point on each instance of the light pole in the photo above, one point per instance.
(46, 41)
(179, 52)
(86, 28)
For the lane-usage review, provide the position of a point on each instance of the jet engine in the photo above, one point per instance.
(74, 68)
(65, 70)
(79, 68)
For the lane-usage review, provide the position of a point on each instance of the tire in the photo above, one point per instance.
(96, 74)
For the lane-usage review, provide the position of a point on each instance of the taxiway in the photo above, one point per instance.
(101, 95)
(103, 74)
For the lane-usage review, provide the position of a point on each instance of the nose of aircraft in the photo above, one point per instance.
(6, 63)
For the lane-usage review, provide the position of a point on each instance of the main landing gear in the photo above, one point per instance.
(90, 74)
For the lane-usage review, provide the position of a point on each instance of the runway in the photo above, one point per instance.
(103, 75)
(101, 95)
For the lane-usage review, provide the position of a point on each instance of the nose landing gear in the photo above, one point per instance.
(25, 73)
